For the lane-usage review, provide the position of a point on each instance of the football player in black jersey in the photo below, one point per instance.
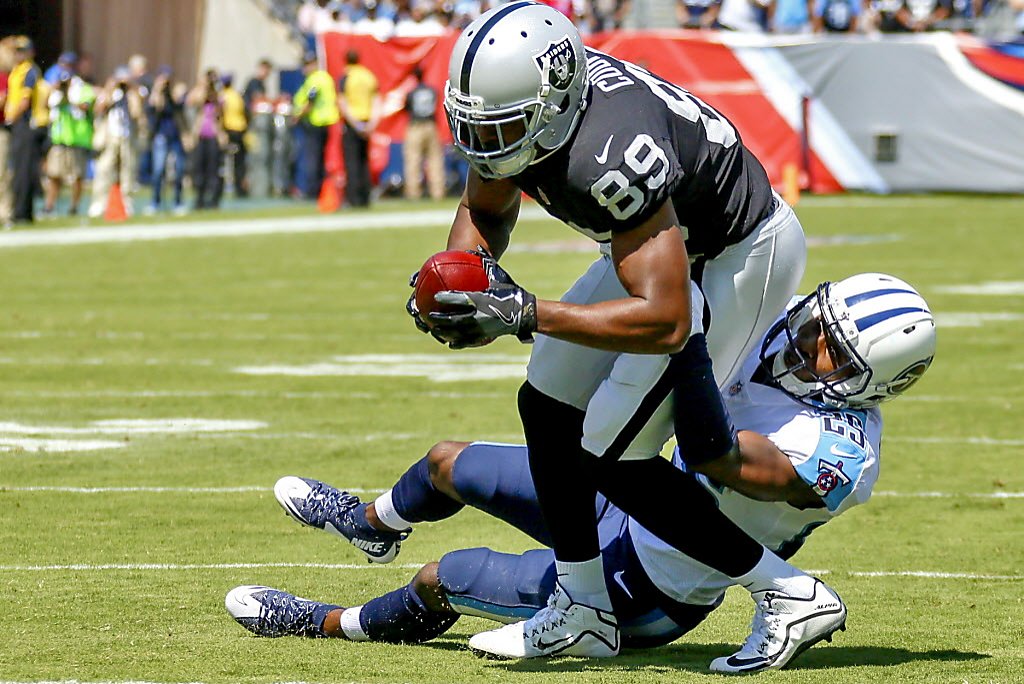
(664, 184)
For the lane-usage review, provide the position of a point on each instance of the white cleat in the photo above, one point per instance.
(562, 628)
(784, 626)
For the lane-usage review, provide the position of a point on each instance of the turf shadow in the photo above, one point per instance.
(696, 657)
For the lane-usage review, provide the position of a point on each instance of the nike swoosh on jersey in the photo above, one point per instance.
(603, 157)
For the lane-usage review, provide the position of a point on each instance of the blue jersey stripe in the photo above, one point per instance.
(868, 321)
(857, 298)
(467, 61)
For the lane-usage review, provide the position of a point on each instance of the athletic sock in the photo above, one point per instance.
(398, 617)
(414, 499)
(562, 474)
(584, 582)
(385, 508)
(771, 572)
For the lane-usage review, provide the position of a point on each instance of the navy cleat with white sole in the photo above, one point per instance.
(320, 505)
(272, 613)
(786, 623)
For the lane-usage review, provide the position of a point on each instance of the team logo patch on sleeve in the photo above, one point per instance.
(559, 61)
(830, 476)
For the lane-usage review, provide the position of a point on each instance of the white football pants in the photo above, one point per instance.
(746, 287)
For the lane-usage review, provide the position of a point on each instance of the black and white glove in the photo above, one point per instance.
(410, 304)
(477, 318)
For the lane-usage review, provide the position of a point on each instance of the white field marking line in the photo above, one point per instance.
(951, 495)
(970, 319)
(377, 490)
(989, 288)
(980, 441)
(205, 566)
(165, 490)
(129, 681)
(240, 227)
(961, 398)
(139, 567)
(434, 367)
(256, 394)
(141, 426)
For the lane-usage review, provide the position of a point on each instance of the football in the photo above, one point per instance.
(451, 270)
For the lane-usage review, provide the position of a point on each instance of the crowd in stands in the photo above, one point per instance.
(395, 18)
(142, 127)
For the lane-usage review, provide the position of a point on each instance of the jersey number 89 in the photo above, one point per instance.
(615, 191)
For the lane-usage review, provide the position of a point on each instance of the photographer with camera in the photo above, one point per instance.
(71, 131)
(165, 110)
(210, 140)
(119, 113)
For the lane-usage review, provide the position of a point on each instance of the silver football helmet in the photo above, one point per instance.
(879, 330)
(516, 87)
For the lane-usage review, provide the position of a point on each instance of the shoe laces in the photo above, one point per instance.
(325, 502)
(287, 614)
(763, 627)
(546, 619)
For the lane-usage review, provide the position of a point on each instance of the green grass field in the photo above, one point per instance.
(128, 585)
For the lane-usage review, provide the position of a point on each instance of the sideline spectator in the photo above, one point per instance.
(743, 15)
(422, 140)
(790, 16)
(359, 101)
(702, 14)
(316, 109)
(166, 116)
(313, 15)
(119, 113)
(138, 65)
(27, 116)
(373, 23)
(71, 130)
(836, 16)
(236, 125)
(606, 15)
(923, 15)
(6, 62)
(209, 137)
(418, 22)
(256, 88)
(67, 62)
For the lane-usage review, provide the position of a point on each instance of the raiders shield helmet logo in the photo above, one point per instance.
(560, 62)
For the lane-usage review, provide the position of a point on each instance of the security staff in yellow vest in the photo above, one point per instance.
(27, 115)
(360, 104)
(316, 108)
(236, 124)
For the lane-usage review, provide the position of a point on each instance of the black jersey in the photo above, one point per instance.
(642, 141)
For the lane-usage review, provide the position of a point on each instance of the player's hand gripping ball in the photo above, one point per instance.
(452, 270)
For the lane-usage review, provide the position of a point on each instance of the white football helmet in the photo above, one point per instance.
(516, 87)
(880, 329)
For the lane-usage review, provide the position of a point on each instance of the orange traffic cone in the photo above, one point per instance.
(329, 200)
(115, 205)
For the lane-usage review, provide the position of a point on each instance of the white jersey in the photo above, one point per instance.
(835, 452)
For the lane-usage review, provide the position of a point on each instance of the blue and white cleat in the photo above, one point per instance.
(785, 625)
(320, 505)
(271, 613)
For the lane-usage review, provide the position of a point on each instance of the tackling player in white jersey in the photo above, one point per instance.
(810, 432)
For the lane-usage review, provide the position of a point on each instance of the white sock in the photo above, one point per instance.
(387, 514)
(350, 624)
(771, 572)
(584, 582)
